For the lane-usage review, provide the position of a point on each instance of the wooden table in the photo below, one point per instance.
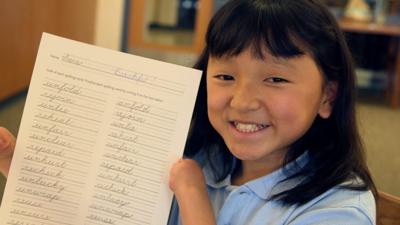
(393, 31)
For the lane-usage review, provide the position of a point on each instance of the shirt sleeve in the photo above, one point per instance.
(333, 216)
(174, 214)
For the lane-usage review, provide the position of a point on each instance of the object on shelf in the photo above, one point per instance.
(371, 79)
(358, 10)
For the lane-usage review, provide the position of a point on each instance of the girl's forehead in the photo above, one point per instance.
(250, 54)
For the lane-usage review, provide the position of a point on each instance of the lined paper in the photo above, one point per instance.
(99, 132)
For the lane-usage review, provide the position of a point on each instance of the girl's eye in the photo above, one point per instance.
(224, 77)
(276, 80)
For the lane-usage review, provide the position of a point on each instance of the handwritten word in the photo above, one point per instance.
(28, 202)
(140, 77)
(67, 58)
(50, 197)
(122, 158)
(114, 188)
(118, 179)
(125, 126)
(109, 198)
(41, 182)
(30, 214)
(100, 219)
(52, 117)
(122, 147)
(120, 213)
(128, 116)
(116, 168)
(44, 171)
(15, 222)
(52, 140)
(64, 87)
(51, 129)
(135, 106)
(45, 160)
(55, 97)
(122, 136)
(57, 107)
(38, 149)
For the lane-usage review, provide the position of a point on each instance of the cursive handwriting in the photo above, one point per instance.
(42, 182)
(44, 171)
(28, 202)
(52, 117)
(122, 125)
(51, 140)
(118, 179)
(69, 59)
(122, 147)
(122, 158)
(51, 129)
(55, 97)
(30, 214)
(54, 107)
(122, 136)
(111, 199)
(38, 149)
(109, 166)
(128, 116)
(46, 160)
(50, 197)
(140, 77)
(119, 213)
(135, 106)
(100, 219)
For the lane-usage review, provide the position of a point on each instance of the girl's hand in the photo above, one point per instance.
(188, 183)
(7, 145)
(186, 175)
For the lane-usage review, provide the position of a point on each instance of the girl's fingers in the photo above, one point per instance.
(7, 145)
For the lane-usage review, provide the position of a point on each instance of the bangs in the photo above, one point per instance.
(239, 26)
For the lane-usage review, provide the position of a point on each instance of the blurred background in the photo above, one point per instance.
(173, 31)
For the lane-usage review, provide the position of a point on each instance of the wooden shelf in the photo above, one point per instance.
(393, 31)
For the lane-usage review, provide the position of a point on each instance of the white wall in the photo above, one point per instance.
(109, 21)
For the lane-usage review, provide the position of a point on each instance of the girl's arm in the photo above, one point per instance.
(188, 183)
(7, 145)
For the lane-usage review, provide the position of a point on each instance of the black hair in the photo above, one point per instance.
(288, 29)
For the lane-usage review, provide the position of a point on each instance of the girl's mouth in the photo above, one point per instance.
(248, 127)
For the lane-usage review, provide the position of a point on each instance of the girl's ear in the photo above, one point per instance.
(328, 99)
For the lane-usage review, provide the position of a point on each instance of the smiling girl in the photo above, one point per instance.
(274, 137)
(274, 132)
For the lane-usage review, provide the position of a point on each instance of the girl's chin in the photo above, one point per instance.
(254, 153)
(244, 155)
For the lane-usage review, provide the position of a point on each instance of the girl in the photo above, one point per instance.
(274, 134)
(274, 128)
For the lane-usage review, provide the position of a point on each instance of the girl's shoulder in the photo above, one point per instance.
(339, 205)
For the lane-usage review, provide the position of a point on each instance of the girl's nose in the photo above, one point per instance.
(245, 98)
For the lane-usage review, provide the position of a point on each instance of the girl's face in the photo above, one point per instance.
(261, 107)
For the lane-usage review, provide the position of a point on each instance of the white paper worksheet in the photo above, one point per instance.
(99, 132)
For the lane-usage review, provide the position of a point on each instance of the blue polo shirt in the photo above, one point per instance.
(249, 203)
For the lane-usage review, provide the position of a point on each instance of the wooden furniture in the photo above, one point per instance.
(137, 23)
(388, 209)
(22, 23)
(393, 31)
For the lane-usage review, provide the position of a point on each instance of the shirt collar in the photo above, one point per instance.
(268, 185)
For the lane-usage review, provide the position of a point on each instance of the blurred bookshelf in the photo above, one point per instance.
(374, 42)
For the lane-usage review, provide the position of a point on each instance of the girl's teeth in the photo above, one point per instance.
(248, 128)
